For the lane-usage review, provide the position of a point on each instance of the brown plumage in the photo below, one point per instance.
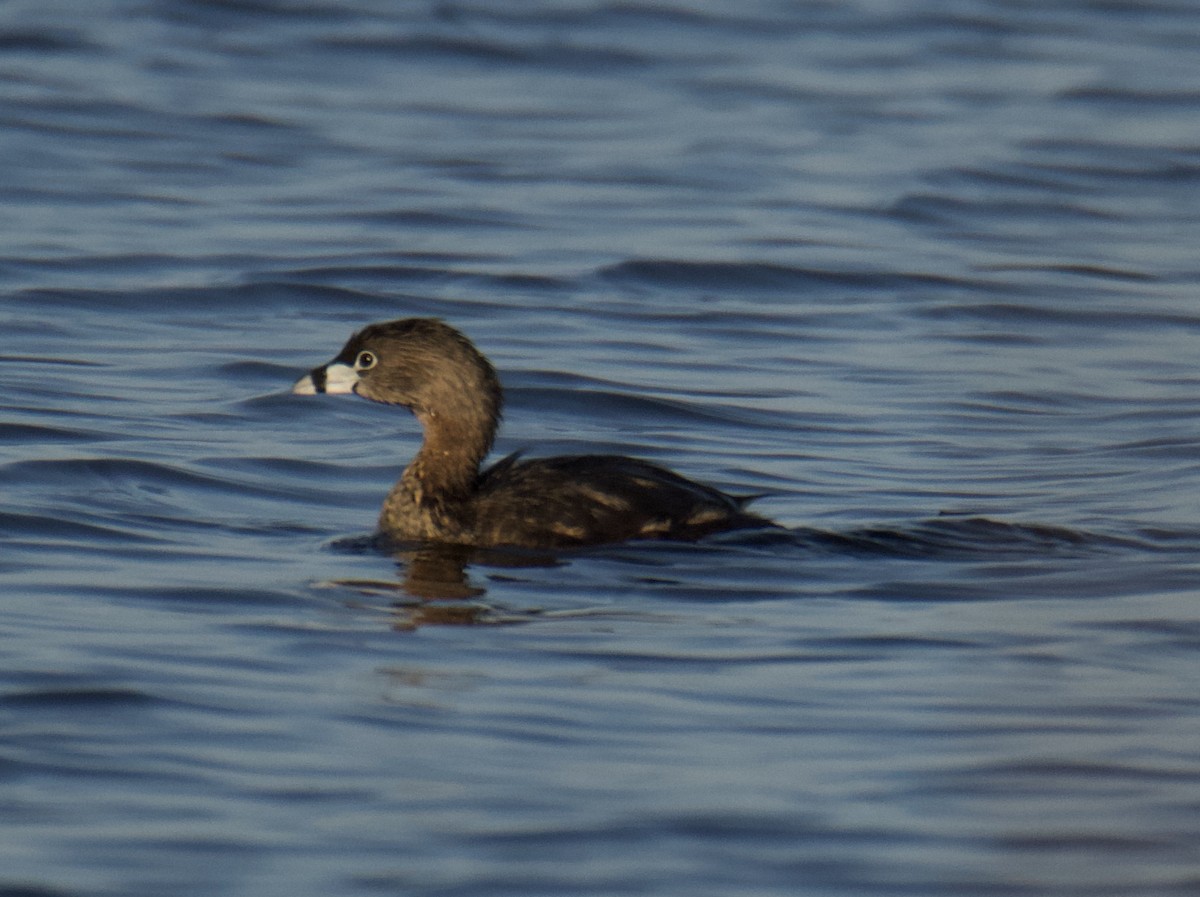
(435, 371)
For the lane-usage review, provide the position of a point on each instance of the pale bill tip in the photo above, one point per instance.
(335, 378)
(305, 386)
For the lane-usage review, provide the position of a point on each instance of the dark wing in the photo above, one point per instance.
(592, 499)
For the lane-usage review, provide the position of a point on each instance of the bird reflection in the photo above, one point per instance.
(435, 587)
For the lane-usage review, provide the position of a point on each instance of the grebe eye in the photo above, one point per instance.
(365, 361)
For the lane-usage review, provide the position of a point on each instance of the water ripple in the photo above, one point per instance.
(924, 273)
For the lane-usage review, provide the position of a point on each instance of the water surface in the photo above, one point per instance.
(924, 274)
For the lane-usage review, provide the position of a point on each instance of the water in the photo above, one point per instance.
(923, 272)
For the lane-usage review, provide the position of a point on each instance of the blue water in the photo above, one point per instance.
(925, 273)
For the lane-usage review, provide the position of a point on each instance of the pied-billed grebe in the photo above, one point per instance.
(435, 371)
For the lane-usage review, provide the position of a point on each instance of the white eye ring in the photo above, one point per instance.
(365, 361)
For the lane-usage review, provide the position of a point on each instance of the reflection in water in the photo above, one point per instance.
(435, 586)
(437, 572)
